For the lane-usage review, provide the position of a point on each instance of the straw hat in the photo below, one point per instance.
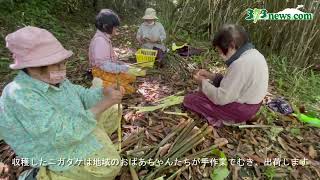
(35, 47)
(150, 13)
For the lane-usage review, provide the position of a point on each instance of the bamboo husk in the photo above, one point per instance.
(168, 97)
(183, 133)
(183, 148)
(186, 149)
(206, 151)
(187, 131)
(176, 130)
(130, 144)
(178, 146)
(192, 143)
(177, 172)
(133, 172)
(162, 104)
(146, 148)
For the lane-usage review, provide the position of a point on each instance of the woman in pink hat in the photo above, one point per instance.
(51, 123)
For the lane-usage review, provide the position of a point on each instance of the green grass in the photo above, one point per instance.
(300, 85)
(270, 172)
(198, 19)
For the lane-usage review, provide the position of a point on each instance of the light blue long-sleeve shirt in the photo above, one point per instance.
(152, 31)
(43, 123)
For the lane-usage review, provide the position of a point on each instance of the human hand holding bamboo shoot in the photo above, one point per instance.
(111, 97)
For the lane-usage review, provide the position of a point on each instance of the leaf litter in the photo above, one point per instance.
(159, 135)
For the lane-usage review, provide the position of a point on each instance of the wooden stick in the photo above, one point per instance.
(254, 126)
(119, 116)
(176, 113)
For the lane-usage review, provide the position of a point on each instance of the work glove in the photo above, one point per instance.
(97, 82)
(135, 71)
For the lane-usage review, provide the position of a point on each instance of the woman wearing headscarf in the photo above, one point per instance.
(50, 122)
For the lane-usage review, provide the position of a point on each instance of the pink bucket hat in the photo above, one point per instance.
(35, 47)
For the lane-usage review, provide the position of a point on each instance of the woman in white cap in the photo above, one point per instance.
(53, 124)
(151, 34)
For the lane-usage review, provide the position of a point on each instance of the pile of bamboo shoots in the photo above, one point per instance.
(179, 144)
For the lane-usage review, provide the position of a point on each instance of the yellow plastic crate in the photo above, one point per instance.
(146, 57)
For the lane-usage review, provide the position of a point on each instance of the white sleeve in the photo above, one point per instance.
(230, 87)
(162, 33)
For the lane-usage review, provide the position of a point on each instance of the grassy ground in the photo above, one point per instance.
(301, 87)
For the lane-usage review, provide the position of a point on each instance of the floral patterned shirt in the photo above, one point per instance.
(45, 124)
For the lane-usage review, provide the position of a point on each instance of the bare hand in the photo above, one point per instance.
(155, 39)
(198, 78)
(3, 171)
(115, 96)
(151, 39)
(140, 40)
(205, 73)
(112, 96)
(146, 40)
(107, 90)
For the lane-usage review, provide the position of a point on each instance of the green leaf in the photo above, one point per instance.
(219, 153)
(270, 172)
(220, 173)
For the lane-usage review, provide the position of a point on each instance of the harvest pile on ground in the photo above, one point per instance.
(257, 149)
